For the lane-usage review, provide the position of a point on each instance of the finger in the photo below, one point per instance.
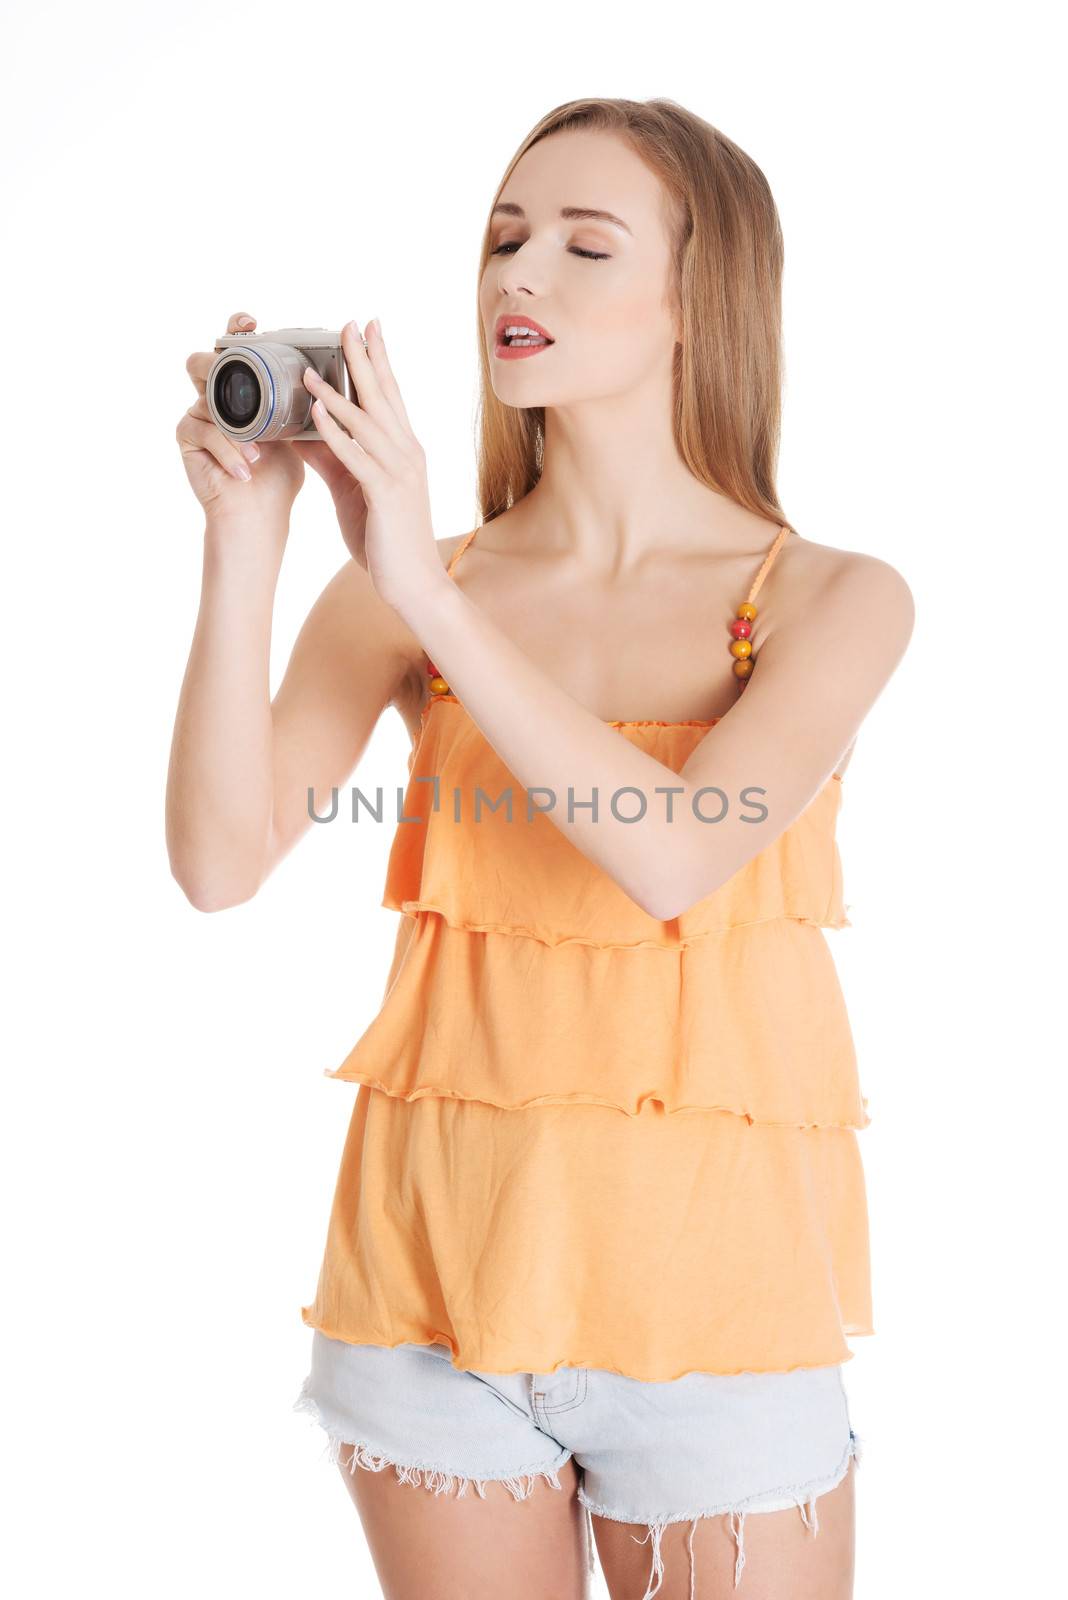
(312, 454)
(194, 434)
(376, 350)
(199, 364)
(317, 454)
(199, 409)
(361, 369)
(360, 427)
(362, 466)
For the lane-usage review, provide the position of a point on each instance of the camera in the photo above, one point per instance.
(255, 386)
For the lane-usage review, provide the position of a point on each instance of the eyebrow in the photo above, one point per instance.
(572, 213)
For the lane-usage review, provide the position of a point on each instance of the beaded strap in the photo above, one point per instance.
(740, 630)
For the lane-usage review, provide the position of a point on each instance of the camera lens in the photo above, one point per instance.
(258, 392)
(237, 394)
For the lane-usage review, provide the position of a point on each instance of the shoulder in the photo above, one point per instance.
(844, 622)
(850, 590)
(447, 548)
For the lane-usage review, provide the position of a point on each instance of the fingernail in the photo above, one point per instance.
(239, 470)
(310, 372)
(376, 325)
(351, 327)
(245, 322)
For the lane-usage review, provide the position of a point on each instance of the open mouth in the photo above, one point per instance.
(515, 339)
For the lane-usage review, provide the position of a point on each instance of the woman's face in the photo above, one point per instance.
(602, 291)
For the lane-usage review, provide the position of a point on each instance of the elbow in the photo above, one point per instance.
(218, 875)
(218, 902)
(206, 894)
(671, 898)
(664, 905)
(664, 910)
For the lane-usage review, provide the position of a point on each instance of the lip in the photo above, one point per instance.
(507, 319)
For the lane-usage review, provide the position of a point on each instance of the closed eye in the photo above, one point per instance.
(590, 255)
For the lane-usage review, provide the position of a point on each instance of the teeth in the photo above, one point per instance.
(521, 332)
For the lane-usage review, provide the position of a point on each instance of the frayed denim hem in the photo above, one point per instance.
(520, 1485)
(803, 1496)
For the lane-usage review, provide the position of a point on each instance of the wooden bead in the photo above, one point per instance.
(743, 668)
(438, 686)
(740, 629)
(741, 648)
(747, 611)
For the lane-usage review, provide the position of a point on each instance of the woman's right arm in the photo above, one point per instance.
(241, 766)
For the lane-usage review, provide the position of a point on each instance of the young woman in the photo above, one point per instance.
(600, 1231)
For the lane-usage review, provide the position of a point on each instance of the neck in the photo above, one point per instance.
(614, 490)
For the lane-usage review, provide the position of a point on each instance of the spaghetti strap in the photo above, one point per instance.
(458, 552)
(780, 539)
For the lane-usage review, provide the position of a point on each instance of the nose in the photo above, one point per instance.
(517, 274)
(510, 284)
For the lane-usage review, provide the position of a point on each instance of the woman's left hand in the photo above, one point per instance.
(374, 442)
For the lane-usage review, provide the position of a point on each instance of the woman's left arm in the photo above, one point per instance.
(772, 752)
(817, 680)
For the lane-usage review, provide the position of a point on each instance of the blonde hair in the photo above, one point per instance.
(728, 255)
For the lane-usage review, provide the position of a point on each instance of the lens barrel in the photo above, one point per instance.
(258, 392)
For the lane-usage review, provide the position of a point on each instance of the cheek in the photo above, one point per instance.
(624, 336)
(627, 309)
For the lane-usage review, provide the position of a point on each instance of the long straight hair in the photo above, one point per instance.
(727, 252)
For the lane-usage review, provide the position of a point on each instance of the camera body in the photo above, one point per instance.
(255, 386)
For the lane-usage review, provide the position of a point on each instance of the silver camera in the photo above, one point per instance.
(256, 389)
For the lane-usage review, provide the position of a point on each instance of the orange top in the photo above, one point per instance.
(585, 1136)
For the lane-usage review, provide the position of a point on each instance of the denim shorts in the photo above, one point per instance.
(703, 1445)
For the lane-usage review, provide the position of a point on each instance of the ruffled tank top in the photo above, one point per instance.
(584, 1136)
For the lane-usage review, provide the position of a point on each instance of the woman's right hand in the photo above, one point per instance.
(216, 466)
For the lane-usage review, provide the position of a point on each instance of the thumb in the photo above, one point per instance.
(320, 456)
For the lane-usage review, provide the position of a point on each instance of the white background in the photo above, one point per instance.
(169, 1142)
